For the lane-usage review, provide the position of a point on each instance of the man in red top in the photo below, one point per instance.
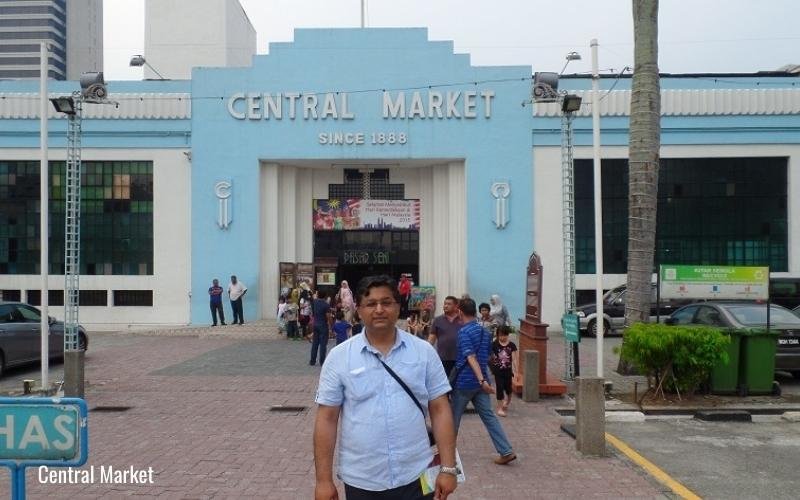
(404, 287)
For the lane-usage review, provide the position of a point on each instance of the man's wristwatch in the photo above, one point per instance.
(483, 381)
(453, 471)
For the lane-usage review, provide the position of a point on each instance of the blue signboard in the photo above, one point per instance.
(41, 431)
(571, 324)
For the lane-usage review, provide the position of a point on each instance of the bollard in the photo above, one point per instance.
(73, 374)
(530, 384)
(27, 386)
(590, 416)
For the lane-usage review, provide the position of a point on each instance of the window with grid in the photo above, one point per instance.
(724, 211)
(379, 186)
(116, 217)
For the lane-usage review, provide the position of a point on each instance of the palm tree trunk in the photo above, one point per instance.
(645, 143)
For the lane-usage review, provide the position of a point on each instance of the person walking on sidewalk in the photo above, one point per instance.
(383, 448)
(322, 328)
(290, 317)
(342, 328)
(444, 332)
(503, 362)
(215, 301)
(404, 287)
(471, 380)
(236, 291)
(346, 300)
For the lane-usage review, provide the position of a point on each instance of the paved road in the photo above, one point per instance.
(721, 459)
(199, 413)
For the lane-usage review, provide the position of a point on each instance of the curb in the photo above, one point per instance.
(707, 415)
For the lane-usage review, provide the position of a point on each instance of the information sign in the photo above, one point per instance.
(714, 282)
(572, 327)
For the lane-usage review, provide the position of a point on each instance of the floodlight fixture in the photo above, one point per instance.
(571, 103)
(64, 104)
(545, 87)
(93, 86)
(138, 60)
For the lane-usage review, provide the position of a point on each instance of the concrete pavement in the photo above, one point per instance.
(199, 413)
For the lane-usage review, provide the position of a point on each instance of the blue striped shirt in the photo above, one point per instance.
(472, 339)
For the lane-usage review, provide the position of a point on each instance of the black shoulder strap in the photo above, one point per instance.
(402, 384)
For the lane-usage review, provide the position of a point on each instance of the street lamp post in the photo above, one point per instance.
(93, 90)
(72, 106)
(545, 89)
(570, 103)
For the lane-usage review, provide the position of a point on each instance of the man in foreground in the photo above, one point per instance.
(384, 447)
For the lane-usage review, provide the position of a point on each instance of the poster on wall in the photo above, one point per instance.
(305, 273)
(341, 214)
(326, 276)
(286, 272)
(422, 298)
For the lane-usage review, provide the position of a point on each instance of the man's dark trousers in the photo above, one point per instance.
(238, 313)
(411, 491)
(217, 308)
(319, 343)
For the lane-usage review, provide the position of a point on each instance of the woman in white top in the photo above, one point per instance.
(498, 312)
(346, 298)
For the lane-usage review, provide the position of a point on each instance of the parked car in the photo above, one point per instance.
(747, 315)
(785, 292)
(796, 310)
(614, 310)
(20, 335)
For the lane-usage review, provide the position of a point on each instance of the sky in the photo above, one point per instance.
(695, 36)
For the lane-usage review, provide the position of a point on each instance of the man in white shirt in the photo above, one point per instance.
(236, 291)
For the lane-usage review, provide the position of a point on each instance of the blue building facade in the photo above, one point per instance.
(230, 163)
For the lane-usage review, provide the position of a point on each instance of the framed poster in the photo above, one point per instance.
(305, 272)
(326, 276)
(286, 272)
(422, 297)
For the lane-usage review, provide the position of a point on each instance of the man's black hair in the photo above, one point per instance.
(452, 299)
(369, 282)
(321, 294)
(484, 305)
(467, 307)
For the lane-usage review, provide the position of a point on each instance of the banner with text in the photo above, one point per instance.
(714, 282)
(347, 214)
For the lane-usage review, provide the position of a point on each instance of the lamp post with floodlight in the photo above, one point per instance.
(93, 90)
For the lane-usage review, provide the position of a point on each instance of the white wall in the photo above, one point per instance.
(171, 246)
(547, 210)
(182, 34)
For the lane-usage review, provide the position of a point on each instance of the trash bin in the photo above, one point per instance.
(757, 367)
(725, 376)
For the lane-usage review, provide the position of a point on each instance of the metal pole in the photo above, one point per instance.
(44, 227)
(598, 208)
(363, 12)
(568, 234)
(73, 356)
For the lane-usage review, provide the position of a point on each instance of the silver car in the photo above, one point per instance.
(745, 315)
(20, 335)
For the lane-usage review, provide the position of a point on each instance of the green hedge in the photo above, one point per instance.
(688, 352)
